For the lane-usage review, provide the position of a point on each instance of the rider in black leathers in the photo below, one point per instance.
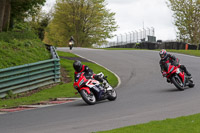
(71, 42)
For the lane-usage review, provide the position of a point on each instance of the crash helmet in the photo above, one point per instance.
(163, 54)
(77, 66)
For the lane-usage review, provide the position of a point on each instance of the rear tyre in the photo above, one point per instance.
(177, 82)
(88, 98)
(191, 85)
(112, 95)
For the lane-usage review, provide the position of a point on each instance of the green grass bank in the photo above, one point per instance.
(186, 124)
(18, 48)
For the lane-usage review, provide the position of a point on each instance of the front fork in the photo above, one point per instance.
(181, 79)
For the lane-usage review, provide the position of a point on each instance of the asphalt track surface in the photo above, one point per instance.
(143, 96)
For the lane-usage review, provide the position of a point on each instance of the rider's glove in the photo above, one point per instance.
(164, 74)
(101, 75)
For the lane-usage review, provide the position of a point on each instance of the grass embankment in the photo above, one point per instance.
(61, 90)
(187, 52)
(18, 48)
(186, 124)
(120, 48)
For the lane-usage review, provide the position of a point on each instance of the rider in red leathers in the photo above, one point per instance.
(168, 58)
(78, 67)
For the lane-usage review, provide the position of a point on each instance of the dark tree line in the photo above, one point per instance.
(16, 10)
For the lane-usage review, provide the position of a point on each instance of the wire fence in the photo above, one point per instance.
(135, 36)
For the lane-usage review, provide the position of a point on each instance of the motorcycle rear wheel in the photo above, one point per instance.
(191, 85)
(88, 98)
(112, 95)
(175, 81)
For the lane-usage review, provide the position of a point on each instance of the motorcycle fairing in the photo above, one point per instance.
(182, 75)
(98, 92)
(85, 88)
(171, 69)
(90, 83)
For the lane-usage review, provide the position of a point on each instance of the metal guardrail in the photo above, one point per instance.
(30, 76)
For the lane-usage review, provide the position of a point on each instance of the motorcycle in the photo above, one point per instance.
(70, 45)
(92, 90)
(177, 77)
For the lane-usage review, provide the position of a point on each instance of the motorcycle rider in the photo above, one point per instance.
(169, 58)
(79, 67)
(71, 42)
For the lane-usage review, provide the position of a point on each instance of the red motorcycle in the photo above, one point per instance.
(176, 76)
(92, 90)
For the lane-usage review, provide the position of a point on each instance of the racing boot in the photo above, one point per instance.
(185, 70)
(188, 74)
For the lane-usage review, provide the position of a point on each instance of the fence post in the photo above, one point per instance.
(186, 46)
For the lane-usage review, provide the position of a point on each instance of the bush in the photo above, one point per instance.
(18, 52)
(21, 46)
(21, 27)
(11, 35)
(21, 31)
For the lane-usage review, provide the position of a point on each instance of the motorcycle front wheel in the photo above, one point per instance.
(88, 98)
(177, 82)
(70, 47)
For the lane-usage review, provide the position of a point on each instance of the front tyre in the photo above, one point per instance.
(176, 80)
(70, 47)
(112, 95)
(88, 98)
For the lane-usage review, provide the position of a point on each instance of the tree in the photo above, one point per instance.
(4, 14)
(11, 10)
(39, 21)
(23, 8)
(187, 19)
(88, 21)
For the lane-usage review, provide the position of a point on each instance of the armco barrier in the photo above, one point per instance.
(30, 76)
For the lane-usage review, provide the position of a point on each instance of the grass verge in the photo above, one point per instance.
(121, 49)
(187, 52)
(19, 48)
(186, 124)
(61, 90)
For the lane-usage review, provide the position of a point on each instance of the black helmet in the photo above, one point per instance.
(163, 54)
(77, 66)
